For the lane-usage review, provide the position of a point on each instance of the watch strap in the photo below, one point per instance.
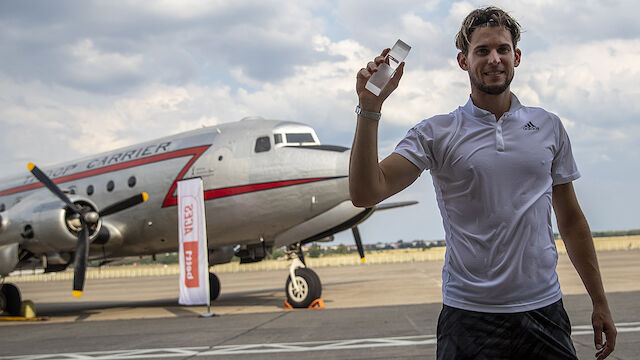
(368, 114)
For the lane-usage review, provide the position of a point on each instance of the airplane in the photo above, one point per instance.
(267, 184)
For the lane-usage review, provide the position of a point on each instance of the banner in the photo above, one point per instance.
(193, 254)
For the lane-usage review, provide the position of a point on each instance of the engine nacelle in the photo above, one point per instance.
(43, 227)
(221, 255)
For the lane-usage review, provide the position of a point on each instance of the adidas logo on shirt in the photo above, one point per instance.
(530, 126)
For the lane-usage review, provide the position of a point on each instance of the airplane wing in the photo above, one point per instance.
(393, 205)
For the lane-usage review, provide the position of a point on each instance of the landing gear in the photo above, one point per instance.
(214, 286)
(10, 299)
(303, 285)
(306, 289)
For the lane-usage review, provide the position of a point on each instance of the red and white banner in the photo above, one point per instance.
(194, 265)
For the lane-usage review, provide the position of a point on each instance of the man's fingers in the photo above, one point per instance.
(395, 80)
(597, 335)
(604, 352)
(603, 323)
(610, 333)
(363, 74)
(606, 348)
(399, 71)
(372, 67)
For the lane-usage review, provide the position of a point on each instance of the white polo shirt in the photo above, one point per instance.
(493, 182)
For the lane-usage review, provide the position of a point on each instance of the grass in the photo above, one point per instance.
(373, 257)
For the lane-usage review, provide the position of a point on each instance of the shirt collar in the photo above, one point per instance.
(470, 108)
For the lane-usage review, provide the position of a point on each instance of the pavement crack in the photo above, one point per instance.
(415, 327)
(281, 314)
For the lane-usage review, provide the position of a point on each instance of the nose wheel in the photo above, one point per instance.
(303, 285)
(305, 290)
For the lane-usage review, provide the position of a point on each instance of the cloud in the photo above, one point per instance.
(84, 77)
(146, 41)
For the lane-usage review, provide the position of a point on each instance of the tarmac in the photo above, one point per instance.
(381, 311)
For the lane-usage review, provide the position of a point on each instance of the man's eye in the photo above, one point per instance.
(482, 51)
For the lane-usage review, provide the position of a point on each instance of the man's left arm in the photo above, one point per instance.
(576, 235)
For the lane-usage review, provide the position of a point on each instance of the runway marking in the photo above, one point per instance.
(320, 345)
(235, 349)
(620, 327)
(272, 348)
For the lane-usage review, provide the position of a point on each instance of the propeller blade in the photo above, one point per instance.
(49, 184)
(80, 264)
(356, 237)
(124, 204)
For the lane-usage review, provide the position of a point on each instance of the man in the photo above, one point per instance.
(497, 167)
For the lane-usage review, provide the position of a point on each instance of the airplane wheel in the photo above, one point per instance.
(313, 273)
(10, 299)
(214, 286)
(310, 288)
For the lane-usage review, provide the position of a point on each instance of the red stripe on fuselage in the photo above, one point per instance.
(242, 189)
(196, 152)
(170, 199)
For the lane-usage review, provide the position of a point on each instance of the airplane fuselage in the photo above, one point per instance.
(257, 184)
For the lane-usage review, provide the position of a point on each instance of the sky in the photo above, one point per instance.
(81, 77)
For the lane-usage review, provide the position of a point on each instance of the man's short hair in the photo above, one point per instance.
(489, 16)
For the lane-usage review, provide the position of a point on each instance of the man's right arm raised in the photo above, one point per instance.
(371, 182)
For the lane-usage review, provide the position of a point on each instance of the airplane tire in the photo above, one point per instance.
(313, 273)
(214, 286)
(10, 299)
(310, 288)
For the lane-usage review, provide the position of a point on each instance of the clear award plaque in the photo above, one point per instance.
(394, 58)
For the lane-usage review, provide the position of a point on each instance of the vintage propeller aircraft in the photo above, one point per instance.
(268, 184)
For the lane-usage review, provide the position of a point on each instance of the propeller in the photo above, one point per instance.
(356, 237)
(86, 218)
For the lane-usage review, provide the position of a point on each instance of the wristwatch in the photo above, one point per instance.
(368, 114)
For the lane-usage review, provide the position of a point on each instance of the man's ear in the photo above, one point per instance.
(462, 61)
(518, 55)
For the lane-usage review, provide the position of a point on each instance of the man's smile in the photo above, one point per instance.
(493, 73)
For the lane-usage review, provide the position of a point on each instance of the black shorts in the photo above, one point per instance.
(544, 333)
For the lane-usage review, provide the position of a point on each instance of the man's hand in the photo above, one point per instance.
(368, 101)
(603, 322)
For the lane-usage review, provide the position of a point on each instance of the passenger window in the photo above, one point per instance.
(110, 185)
(1, 207)
(263, 144)
(300, 138)
(277, 138)
(132, 181)
(90, 190)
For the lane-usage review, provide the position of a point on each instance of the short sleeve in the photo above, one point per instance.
(416, 147)
(563, 168)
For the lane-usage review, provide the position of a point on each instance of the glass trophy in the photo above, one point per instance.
(394, 58)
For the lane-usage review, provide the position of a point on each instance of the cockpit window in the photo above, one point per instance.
(277, 138)
(299, 138)
(263, 144)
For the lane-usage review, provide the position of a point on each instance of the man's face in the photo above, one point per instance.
(491, 60)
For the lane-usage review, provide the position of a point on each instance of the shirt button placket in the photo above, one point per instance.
(499, 138)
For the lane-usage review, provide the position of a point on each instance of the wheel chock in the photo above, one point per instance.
(316, 304)
(28, 309)
(22, 318)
